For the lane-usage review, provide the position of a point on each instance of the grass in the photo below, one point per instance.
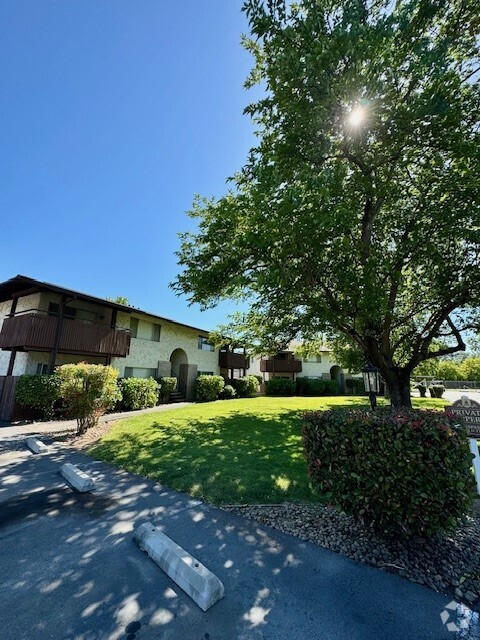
(225, 452)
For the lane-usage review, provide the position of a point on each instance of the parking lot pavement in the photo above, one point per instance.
(70, 570)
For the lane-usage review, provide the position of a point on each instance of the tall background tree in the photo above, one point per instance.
(358, 210)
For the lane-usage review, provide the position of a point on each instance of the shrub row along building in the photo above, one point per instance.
(44, 325)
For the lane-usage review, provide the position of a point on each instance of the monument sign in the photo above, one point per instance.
(469, 411)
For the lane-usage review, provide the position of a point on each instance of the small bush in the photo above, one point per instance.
(166, 386)
(280, 387)
(259, 378)
(246, 386)
(310, 386)
(227, 392)
(88, 390)
(138, 393)
(404, 472)
(38, 392)
(209, 387)
(436, 390)
(423, 390)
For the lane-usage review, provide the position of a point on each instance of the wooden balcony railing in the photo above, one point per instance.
(278, 365)
(32, 331)
(228, 360)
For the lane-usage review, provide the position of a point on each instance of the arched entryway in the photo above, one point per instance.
(179, 362)
(336, 373)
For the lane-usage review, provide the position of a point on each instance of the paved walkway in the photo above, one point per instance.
(61, 426)
(71, 571)
(456, 394)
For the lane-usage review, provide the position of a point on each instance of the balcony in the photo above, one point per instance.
(36, 332)
(277, 364)
(229, 360)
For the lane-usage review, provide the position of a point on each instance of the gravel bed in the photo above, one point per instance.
(448, 563)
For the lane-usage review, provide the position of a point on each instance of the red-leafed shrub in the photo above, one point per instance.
(406, 472)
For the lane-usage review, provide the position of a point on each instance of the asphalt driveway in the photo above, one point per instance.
(70, 570)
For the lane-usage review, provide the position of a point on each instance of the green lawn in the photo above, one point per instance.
(236, 451)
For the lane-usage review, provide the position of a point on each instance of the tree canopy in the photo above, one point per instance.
(120, 300)
(358, 210)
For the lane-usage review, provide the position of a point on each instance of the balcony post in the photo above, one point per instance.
(11, 362)
(56, 341)
(13, 307)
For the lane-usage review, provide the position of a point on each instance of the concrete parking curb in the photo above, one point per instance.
(35, 445)
(194, 578)
(77, 478)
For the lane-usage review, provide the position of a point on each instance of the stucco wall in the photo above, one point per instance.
(146, 353)
(87, 311)
(318, 369)
(34, 358)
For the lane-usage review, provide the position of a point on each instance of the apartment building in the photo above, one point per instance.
(44, 325)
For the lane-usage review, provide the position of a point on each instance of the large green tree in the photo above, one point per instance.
(358, 210)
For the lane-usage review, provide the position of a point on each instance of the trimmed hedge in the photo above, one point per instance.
(166, 386)
(315, 387)
(406, 472)
(38, 392)
(208, 388)
(310, 386)
(246, 386)
(280, 387)
(331, 388)
(138, 393)
(356, 385)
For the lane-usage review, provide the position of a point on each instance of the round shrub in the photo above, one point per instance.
(38, 392)
(208, 388)
(88, 390)
(406, 472)
(227, 392)
(246, 386)
(167, 385)
(280, 387)
(138, 393)
(259, 378)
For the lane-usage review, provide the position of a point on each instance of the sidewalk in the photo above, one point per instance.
(71, 570)
(61, 426)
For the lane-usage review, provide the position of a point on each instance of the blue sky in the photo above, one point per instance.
(112, 116)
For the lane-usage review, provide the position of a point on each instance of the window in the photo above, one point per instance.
(204, 345)
(156, 332)
(140, 372)
(205, 373)
(134, 327)
(42, 369)
(316, 358)
(54, 310)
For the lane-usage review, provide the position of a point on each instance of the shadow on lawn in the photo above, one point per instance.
(242, 457)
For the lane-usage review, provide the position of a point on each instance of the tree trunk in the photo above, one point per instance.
(398, 385)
